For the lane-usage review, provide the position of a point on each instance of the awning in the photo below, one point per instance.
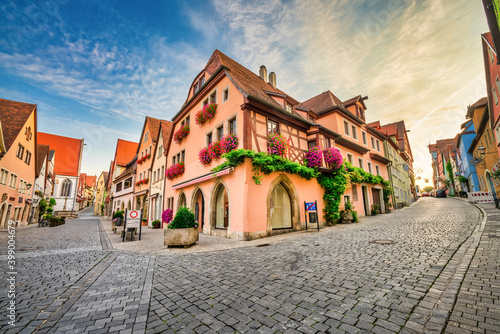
(203, 178)
(28, 201)
(153, 195)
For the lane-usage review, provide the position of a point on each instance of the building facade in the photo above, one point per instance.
(66, 169)
(467, 166)
(250, 107)
(101, 194)
(123, 187)
(18, 153)
(159, 163)
(125, 152)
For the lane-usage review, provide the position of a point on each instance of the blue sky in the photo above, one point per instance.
(96, 68)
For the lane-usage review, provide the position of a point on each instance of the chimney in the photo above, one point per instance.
(272, 79)
(263, 72)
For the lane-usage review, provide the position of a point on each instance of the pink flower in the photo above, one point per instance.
(175, 171)
(333, 157)
(313, 157)
(180, 134)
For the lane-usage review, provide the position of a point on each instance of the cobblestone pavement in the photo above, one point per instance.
(71, 279)
(329, 282)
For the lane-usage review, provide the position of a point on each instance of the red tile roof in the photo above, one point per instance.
(42, 152)
(322, 102)
(154, 127)
(90, 181)
(68, 150)
(166, 127)
(13, 116)
(125, 151)
(248, 81)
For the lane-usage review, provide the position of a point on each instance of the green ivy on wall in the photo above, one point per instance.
(334, 183)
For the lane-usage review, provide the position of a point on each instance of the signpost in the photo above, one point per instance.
(312, 209)
(133, 219)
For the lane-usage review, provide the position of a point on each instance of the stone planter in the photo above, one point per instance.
(346, 217)
(180, 236)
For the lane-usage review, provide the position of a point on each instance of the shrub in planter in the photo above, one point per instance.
(375, 209)
(118, 214)
(156, 224)
(50, 210)
(313, 157)
(183, 219)
(53, 221)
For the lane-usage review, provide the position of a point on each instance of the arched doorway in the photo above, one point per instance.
(181, 201)
(280, 208)
(220, 205)
(198, 203)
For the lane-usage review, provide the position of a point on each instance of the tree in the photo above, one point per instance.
(428, 189)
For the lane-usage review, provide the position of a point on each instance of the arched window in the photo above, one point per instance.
(280, 208)
(66, 188)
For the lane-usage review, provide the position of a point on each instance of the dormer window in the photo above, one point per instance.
(288, 108)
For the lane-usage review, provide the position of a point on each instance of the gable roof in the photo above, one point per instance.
(105, 176)
(125, 151)
(13, 116)
(41, 154)
(478, 104)
(90, 180)
(322, 102)
(69, 152)
(154, 127)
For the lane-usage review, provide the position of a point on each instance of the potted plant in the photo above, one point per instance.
(375, 209)
(277, 144)
(175, 171)
(144, 222)
(156, 224)
(183, 230)
(167, 216)
(346, 215)
(181, 133)
(206, 114)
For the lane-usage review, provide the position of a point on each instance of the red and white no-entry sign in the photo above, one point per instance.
(133, 214)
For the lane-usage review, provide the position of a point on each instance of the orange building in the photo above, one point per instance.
(18, 151)
(230, 203)
(124, 154)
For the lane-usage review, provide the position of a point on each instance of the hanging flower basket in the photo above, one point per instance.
(277, 144)
(181, 134)
(175, 171)
(206, 114)
(313, 157)
(333, 157)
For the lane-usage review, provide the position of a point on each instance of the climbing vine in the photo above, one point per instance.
(449, 169)
(334, 183)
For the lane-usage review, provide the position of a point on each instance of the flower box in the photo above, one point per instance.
(206, 114)
(277, 144)
(175, 171)
(181, 133)
(313, 157)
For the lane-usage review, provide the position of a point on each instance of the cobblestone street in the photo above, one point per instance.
(441, 274)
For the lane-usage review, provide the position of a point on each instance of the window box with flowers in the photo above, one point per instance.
(215, 150)
(206, 114)
(175, 171)
(313, 157)
(181, 133)
(277, 144)
(333, 157)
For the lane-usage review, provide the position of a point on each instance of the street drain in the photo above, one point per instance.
(383, 242)
(263, 245)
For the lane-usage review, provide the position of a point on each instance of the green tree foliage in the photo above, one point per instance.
(183, 219)
(449, 169)
(428, 189)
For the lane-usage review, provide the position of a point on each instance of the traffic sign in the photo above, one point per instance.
(133, 219)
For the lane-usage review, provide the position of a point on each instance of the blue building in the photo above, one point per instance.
(467, 168)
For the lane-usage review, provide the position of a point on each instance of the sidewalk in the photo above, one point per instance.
(152, 240)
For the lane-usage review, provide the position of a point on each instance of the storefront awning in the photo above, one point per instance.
(203, 178)
(153, 195)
